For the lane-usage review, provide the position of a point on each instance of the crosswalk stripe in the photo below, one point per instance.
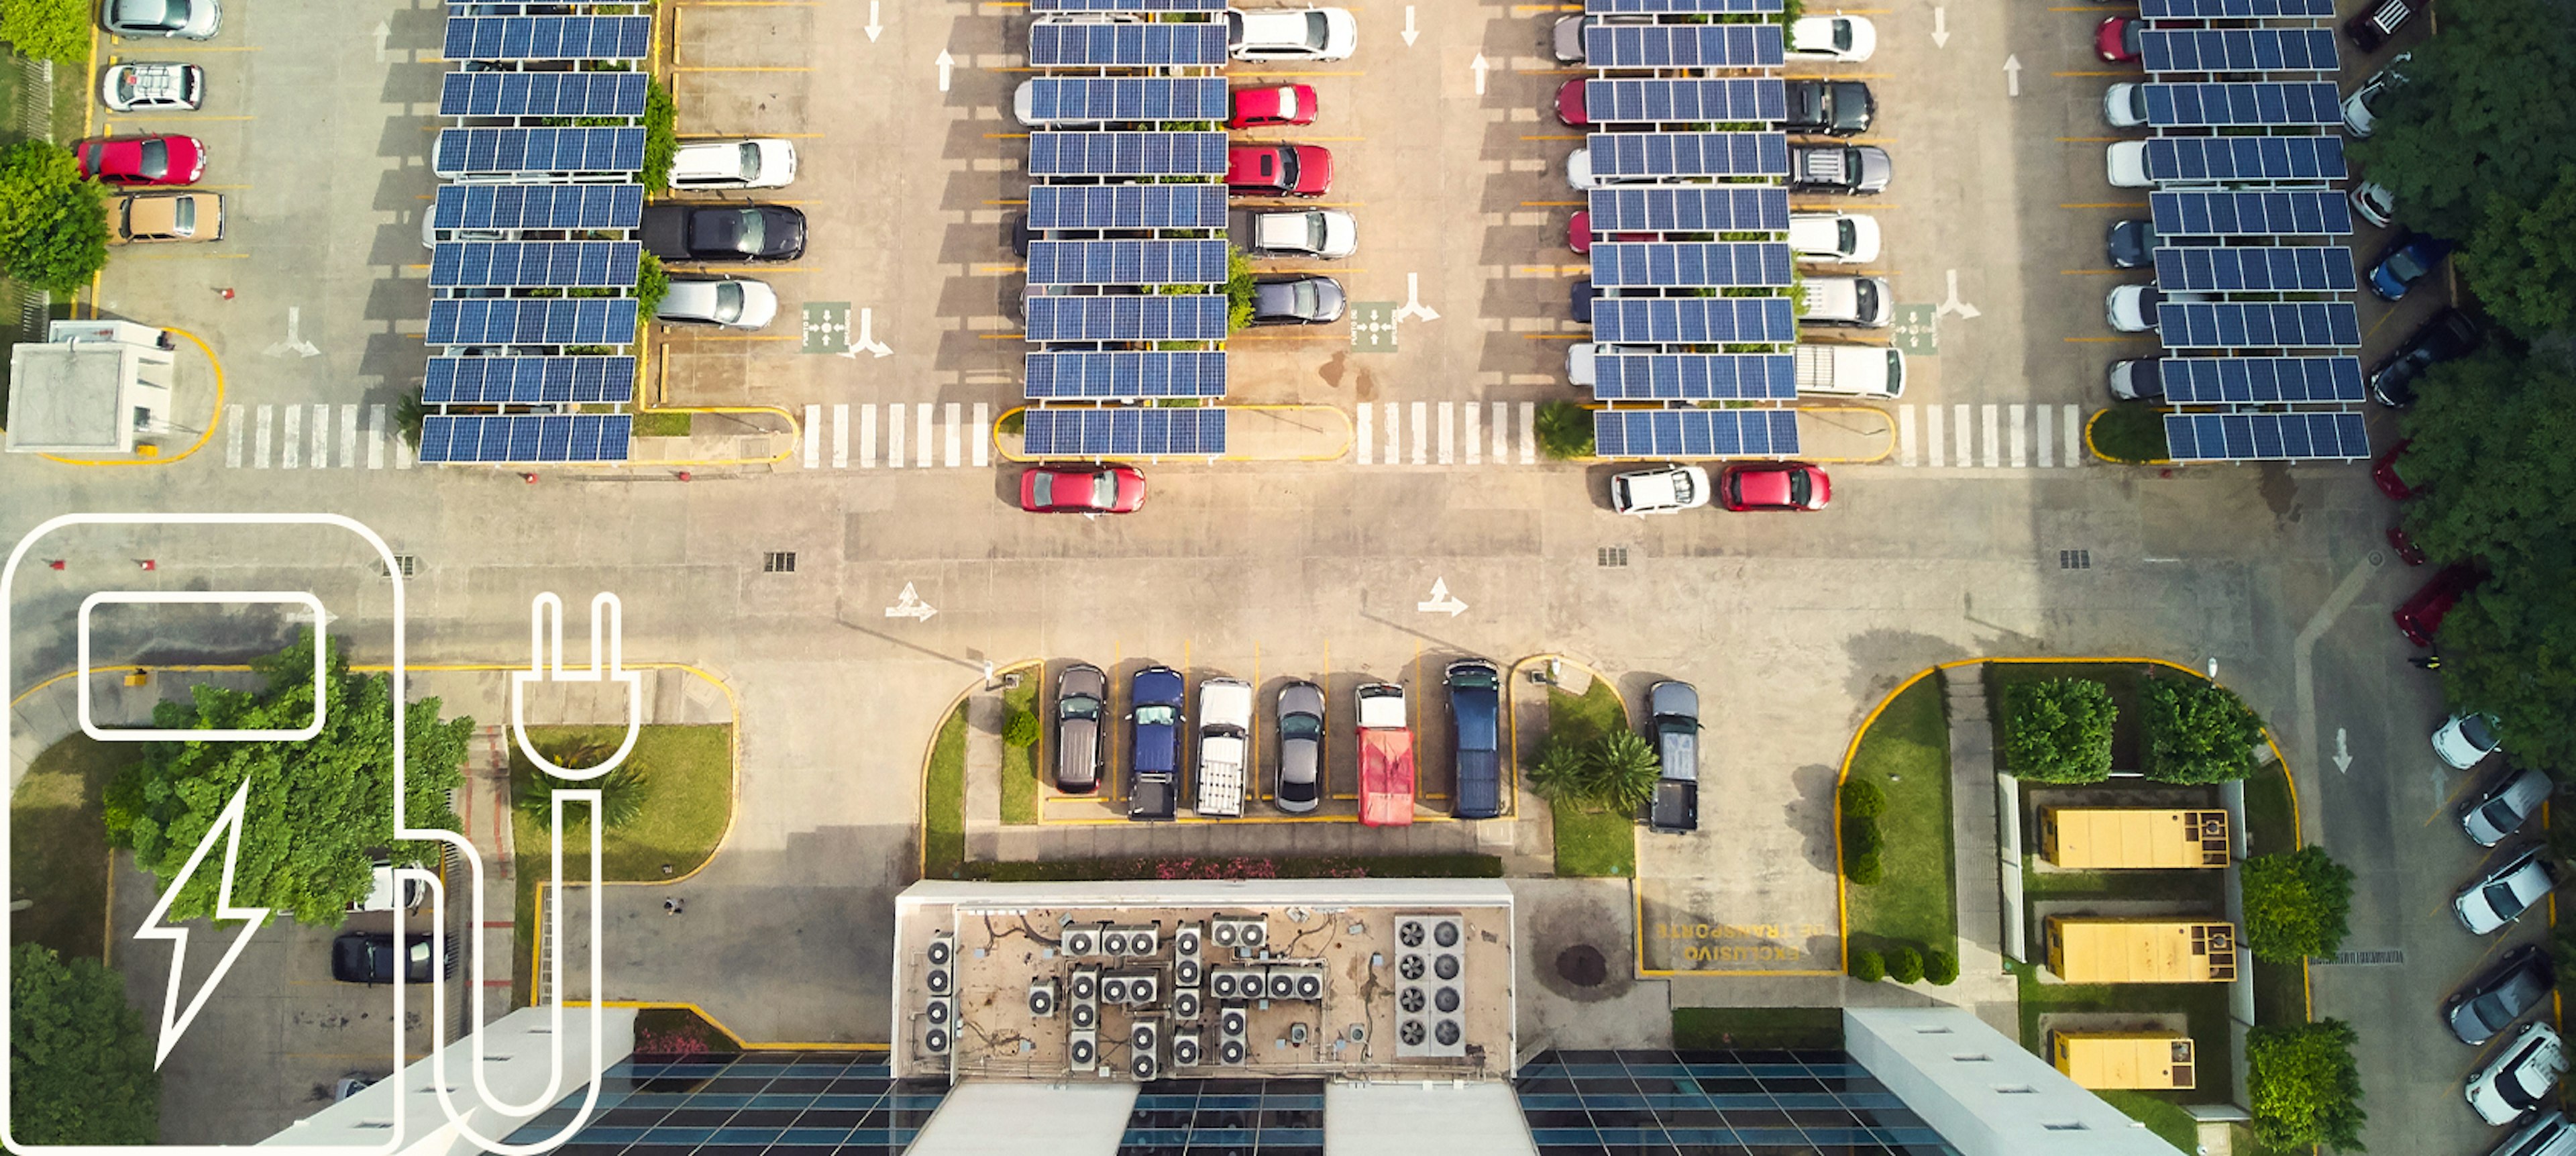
(1992, 417)
(921, 436)
(813, 435)
(2020, 435)
(233, 436)
(321, 437)
(867, 437)
(1475, 446)
(375, 437)
(2075, 435)
(1393, 428)
(840, 437)
(1362, 446)
(1905, 435)
(952, 413)
(982, 434)
(1448, 433)
(1502, 432)
(1529, 433)
(894, 436)
(291, 451)
(348, 437)
(2047, 453)
(1933, 423)
(1421, 429)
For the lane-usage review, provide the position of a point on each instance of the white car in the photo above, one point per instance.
(159, 87)
(1325, 234)
(2359, 119)
(2126, 164)
(1291, 34)
(2125, 105)
(745, 163)
(1662, 490)
(1849, 39)
(391, 893)
(2521, 1077)
(2502, 895)
(724, 302)
(1578, 170)
(2132, 308)
(2466, 740)
(182, 19)
(2372, 202)
(1834, 238)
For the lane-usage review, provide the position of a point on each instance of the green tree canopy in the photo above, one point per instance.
(53, 224)
(2059, 731)
(2485, 113)
(2198, 732)
(2296, 905)
(318, 809)
(2304, 1086)
(2521, 260)
(80, 1066)
(56, 30)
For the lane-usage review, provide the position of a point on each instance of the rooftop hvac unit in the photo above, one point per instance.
(938, 1026)
(1113, 941)
(1042, 997)
(1224, 932)
(1144, 1067)
(1283, 982)
(1145, 1034)
(1245, 934)
(1185, 1050)
(1082, 1049)
(1430, 991)
(1113, 988)
(1081, 941)
(1187, 941)
(943, 949)
(1187, 973)
(1082, 1015)
(1144, 989)
(1086, 984)
(1226, 983)
(1232, 1053)
(939, 1012)
(941, 976)
(1142, 941)
(1231, 1021)
(1185, 1003)
(1310, 984)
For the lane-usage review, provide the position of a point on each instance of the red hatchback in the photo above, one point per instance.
(1282, 170)
(142, 160)
(1082, 490)
(1773, 486)
(2420, 617)
(1569, 104)
(2117, 39)
(1262, 107)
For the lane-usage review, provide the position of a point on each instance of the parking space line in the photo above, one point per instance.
(2094, 340)
(867, 437)
(813, 436)
(894, 436)
(1554, 204)
(2089, 139)
(1567, 136)
(375, 437)
(2090, 272)
(840, 437)
(742, 68)
(2099, 205)
(2374, 326)
(348, 437)
(1529, 433)
(1475, 439)
(2020, 435)
(1905, 435)
(1360, 443)
(921, 436)
(1270, 75)
(952, 454)
(233, 436)
(2116, 72)
(291, 449)
(115, 117)
(982, 433)
(1932, 425)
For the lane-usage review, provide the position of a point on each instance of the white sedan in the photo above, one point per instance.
(2505, 893)
(2520, 1080)
(1291, 34)
(723, 302)
(1849, 39)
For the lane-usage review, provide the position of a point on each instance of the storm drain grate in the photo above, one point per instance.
(2394, 957)
(1614, 556)
(2075, 559)
(403, 564)
(778, 562)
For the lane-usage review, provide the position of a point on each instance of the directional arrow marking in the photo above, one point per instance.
(1952, 304)
(1413, 306)
(867, 335)
(1409, 31)
(2012, 75)
(1480, 65)
(947, 63)
(1940, 28)
(384, 39)
(876, 23)
(2343, 751)
(910, 606)
(1441, 602)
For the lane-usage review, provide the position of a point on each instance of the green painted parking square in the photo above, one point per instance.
(827, 327)
(1918, 330)
(1373, 327)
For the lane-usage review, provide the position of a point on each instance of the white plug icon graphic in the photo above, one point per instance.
(607, 664)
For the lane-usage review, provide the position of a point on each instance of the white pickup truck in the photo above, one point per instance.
(1225, 734)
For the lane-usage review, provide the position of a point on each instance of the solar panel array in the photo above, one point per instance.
(2236, 9)
(529, 380)
(2210, 105)
(2249, 213)
(463, 151)
(2238, 49)
(2258, 324)
(1127, 98)
(482, 206)
(1127, 206)
(534, 264)
(526, 439)
(1138, 317)
(1126, 45)
(1126, 154)
(1693, 320)
(1689, 264)
(542, 94)
(2215, 160)
(1138, 431)
(1127, 373)
(1680, 7)
(1198, 262)
(2285, 269)
(1730, 99)
(548, 37)
(1623, 376)
(2265, 437)
(2260, 380)
(537, 321)
(1683, 46)
(1689, 154)
(1690, 209)
(1695, 433)
(1045, 6)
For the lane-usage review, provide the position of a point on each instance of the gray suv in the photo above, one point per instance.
(1673, 710)
(1081, 695)
(1301, 747)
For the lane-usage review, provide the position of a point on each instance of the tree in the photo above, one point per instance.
(2460, 133)
(80, 1065)
(2521, 261)
(1624, 769)
(1561, 774)
(1021, 729)
(652, 284)
(1866, 965)
(623, 792)
(2304, 1086)
(319, 809)
(2059, 731)
(661, 136)
(2198, 732)
(1238, 290)
(55, 30)
(1904, 964)
(1564, 430)
(1864, 868)
(53, 224)
(2296, 905)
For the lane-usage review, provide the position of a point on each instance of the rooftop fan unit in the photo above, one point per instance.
(1081, 941)
(1185, 1003)
(1113, 941)
(1042, 997)
(1082, 1049)
(941, 976)
(1224, 932)
(1185, 1050)
(1226, 983)
(1232, 1021)
(1144, 1067)
(1231, 1049)
(1141, 941)
(1430, 990)
(1187, 941)
(943, 949)
(1232, 1053)
(1113, 988)
(1283, 983)
(1310, 984)
(1086, 984)
(1187, 973)
(1083, 1015)
(938, 1026)
(1144, 1046)
(1143, 989)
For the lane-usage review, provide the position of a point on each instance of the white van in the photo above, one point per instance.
(1873, 371)
(1834, 238)
(748, 163)
(1863, 301)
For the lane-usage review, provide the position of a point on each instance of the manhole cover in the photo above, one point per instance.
(1582, 965)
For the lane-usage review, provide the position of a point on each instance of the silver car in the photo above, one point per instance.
(1081, 698)
(185, 19)
(2505, 807)
(1301, 747)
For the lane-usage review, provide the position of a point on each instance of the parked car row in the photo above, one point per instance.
(157, 162)
(1739, 486)
(725, 232)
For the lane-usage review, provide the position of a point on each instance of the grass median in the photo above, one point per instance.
(943, 800)
(1590, 840)
(1019, 764)
(58, 845)
(1906, 753)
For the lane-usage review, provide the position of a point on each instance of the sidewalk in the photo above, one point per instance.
(1985, 986)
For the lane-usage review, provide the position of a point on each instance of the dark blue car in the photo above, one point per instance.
(1475, 718)
(1155, 724)
(2408, 259)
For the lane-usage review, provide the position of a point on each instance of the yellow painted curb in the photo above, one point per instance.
(2107, 459)
(216, 418)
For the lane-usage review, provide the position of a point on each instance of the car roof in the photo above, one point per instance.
(1670, 697)
(1157, 685)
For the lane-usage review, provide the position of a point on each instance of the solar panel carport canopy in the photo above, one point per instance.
(1127, 98)
(1184, 262)
(1695, 433)
(2245, 213)
(492, 206)
(528, 380)
(534, 264)
(2242, 105)
(2229, 159)
(1661, 101)
(1126, 45)
(462, 151)
(1679, 7)
(2237, 50)
(1621, 375)
(542, 94)
(1199, 206)
(526, 439)
(1683, 46)
(2282, 269)
(1689, 264)
(546, 321)
(1132, 317)
(1690, 209)
(2265, 437)
(2236, 9)
(2260, 380)
(1124, 432)
(1125, 373)
(1045, 6)
(1651, 155)
(2258, 324)
(548, 37)
(1126, 154)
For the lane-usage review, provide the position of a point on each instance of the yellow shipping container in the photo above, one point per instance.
(2124, 1059)
(2101, 838)
(2091, 950)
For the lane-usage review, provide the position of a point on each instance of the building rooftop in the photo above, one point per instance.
(69, 397)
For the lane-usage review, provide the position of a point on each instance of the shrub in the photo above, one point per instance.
(2059, 731)
(56, 30)
(1564, 430)
(1866, 966)
(1863, 800)
(1863, 869)
(1940, 967)
(2130, 433)
(1238, 290)
(1863, 838)
(53, 224)
(1624, 769)
(2304, 1086)
(661, 136)
(1021, 730)
(1904, 964)
(1561, 773)
(651, 286)
(80, 1063)
(2198, 732)
(2296, 905)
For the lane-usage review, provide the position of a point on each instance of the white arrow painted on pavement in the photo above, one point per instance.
(1413, 306)
(1480, 65)
(2012, 76)
(910, 606)
(946, 62)
(1952, 304)
(295, 342)
(1441, 602)
(1409, 31)
(2343, 752)
(1940, 28)
(867, 336)
(384, 39)
(876, 23)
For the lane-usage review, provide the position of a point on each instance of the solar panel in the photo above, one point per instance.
(1129, 431)
(2238, 49)
(1126, 98)
(1683, 46)
(2229, 159)
(463, 151)
(2221, 213)
(1660, 7)
(1689, 154)
(1152, 373)
(534, 264)
(1732, 99)
(2200, 105)
(542, 94)
(1691, 209)
(1689, 264)
(1127, 206)
(1695, 433)
(1624, 376)
(1127, 262)
(1693, 320)
(1126, 45)
(529, 380)
(2259, 270)
(1044, 6)
(1138, 317)
(1126, 154)
(2235, 9)
(2256, 325)
(2259, 380)
(548, 37)
(2265, 437)
(527, 439)
(533, 321)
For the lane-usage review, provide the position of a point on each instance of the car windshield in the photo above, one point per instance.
(1847, 235)
(149, 13)
(2475, 729)
(2130, 33)
(1288, 168)
(186, 215)
(2138, 102)
(1300, 726)
(1866, 294)
(728, 302)
(2500, 815)
(1319, 31)
(1104, 491)
(1078, 706)
(1233, 27)
(1799, 488)
(2406, 264)
(1305, 296)
(750, 154)
(156, 159)
(1842, 35)
(1156, 716)
(1315, 232)
(2500, 899)
(2490, 1010)
(1681, 487)
(751, 232)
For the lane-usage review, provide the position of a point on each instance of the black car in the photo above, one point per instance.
(2489, 1004)
(2131, 245)
(1296, 299)
(2450, 335)
(1673, 722)
(2374, 24)
(368, 957)
(733, 232)
(1829, 107)
(1579, 300)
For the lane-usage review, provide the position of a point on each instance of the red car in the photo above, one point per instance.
(1279, 170)
(2404, 544)
(1578, 233)
(1082, 490)
(2117, 39)
(1262, 107)
(159, 159)
(1569, 104)
(2419, 617)
(1773, 486)
(2383, 474)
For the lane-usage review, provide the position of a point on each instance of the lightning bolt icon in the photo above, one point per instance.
(228, 826)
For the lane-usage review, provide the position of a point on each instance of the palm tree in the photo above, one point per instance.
(1624, 768)
(1561, 773)
(622, 792)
